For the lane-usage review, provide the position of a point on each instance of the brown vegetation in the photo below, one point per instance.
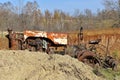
(110, 37)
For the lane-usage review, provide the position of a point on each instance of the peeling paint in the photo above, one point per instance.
(57, 38)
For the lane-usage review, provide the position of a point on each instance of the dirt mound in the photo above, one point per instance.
(25, 65)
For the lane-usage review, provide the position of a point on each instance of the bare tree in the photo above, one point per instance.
(113, 10)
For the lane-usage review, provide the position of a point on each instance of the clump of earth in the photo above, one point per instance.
(25, 65)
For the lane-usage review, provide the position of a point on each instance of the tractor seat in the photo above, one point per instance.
(95, 41)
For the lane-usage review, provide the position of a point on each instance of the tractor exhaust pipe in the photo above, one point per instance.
(80, 35)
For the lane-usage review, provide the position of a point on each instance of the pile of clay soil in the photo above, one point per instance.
(25, 65)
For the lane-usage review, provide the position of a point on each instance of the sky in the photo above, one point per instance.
(65, 5)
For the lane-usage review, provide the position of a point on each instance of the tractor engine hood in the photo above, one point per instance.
(57, 38)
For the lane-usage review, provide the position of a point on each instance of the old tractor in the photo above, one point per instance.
(51, 42)
(93, 53)
(37, 41)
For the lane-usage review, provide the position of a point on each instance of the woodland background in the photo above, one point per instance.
(29, 16)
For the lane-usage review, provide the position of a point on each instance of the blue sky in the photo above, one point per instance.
(64, 5)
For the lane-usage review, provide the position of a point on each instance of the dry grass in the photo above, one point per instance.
(111, 35)
(105, 31)
(4, 43)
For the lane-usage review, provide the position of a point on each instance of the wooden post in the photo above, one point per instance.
(107, 48)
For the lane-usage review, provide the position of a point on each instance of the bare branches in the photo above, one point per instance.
(30, 17)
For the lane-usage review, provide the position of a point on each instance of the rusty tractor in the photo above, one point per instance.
(91, 56)
(93, 53)
(37, 41)
(51, 42)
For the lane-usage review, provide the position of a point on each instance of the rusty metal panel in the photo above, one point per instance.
(58, 38)
(34, 34)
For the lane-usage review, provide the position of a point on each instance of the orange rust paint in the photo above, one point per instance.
(57, 38)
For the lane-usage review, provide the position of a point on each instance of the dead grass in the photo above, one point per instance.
(4, 43)
(105, 31)
(112, 34)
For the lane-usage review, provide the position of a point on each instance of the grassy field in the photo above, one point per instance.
(108, 74)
